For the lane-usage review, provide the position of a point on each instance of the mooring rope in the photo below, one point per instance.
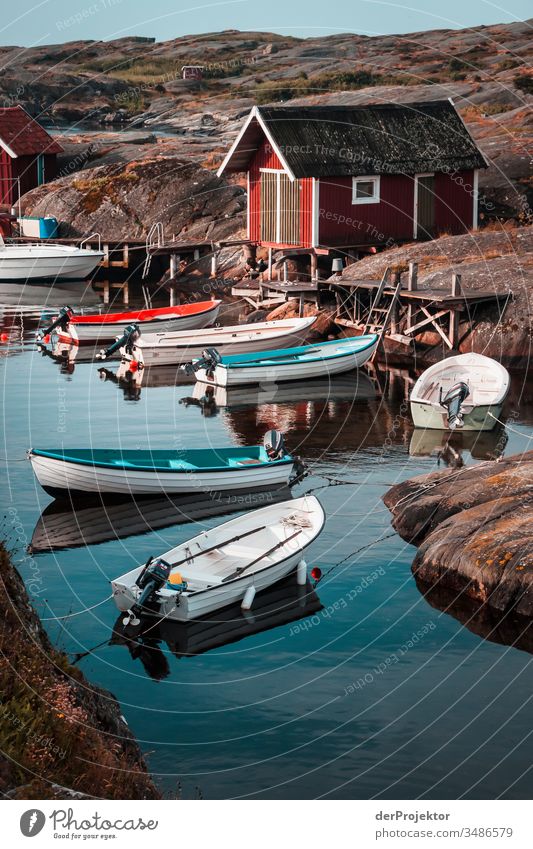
(77, 612)
(507, 426)
(357, 551)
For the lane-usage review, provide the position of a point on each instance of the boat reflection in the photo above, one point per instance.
(449, 447)
(152, 640)
(503, 627)
(61, 526)
(354, 386)
(131, 379)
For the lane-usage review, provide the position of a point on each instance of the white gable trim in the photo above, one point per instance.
(8, 150)
(255, 114)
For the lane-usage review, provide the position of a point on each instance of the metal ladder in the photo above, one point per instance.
(154, 239)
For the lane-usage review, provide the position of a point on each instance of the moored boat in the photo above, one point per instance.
(276, 366)
(105, 327)
(224, 565)
(186, 346)
(462, 392)
(49, 262)
(81, 471)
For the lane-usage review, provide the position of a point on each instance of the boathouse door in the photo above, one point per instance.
(424, 212)
(280, 208)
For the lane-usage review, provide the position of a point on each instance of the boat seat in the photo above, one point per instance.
(182, 465)
(248, 461)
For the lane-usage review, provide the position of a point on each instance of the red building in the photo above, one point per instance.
(349, 177)
(28, 154)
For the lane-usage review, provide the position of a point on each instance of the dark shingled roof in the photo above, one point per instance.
(336, 141)
(24, 136)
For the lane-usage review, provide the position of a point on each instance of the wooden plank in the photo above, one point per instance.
(413, 327)
(437, 327)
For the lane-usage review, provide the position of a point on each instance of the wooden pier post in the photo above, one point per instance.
(314, 267)
(106, 291)
(453, 329)
(172, 294)
(126, 293)
(270, 264)
(214, 264)
(412, 286)
(126, 256)
(105, 261)
(174, 261)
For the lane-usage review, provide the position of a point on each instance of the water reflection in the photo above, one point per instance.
(505, 628)
(62, 526)
(450, 447)
(281, 604)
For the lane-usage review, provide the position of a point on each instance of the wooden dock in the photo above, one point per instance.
(402, 312)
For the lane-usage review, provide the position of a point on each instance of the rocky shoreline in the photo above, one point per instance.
(472, 527)
(62, 737)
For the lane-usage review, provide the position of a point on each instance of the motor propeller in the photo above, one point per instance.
(128, 340)
(153, 577)
(452, 402)
(62, 321)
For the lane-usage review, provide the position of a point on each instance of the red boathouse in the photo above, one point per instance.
(324, 178)
(27, 154)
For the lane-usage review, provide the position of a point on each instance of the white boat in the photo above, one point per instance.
(466, 392)
(224, 565)
(300, 363)
(186, 346)
(105, 327)
(22, 262)
(75, 472)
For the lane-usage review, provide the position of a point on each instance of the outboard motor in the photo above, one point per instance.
(152, 578)
(453, 401)
(209, 360)
(62, 321)
(128, 340)
(274, 444)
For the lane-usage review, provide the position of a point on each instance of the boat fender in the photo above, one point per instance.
(274, 444)
(452, 402)
(301, 573)
(248, 598)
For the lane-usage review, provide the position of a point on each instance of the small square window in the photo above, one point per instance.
(365, 190)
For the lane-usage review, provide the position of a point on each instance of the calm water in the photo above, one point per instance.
(374, 693)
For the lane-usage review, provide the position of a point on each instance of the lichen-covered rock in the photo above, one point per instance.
(473, 527)
(323, 325)
(124, 200)
(60, 736)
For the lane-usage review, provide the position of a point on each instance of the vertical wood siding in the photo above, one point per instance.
(342, 223)
(6, 193)
(296, 203)
(454, 202)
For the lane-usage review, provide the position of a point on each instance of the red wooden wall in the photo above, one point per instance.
(454, 202)
(344, 223)
(5, 178)
(24, 167)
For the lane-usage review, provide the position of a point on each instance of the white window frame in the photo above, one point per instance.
(371, 179)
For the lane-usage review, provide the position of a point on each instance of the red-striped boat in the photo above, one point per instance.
(107, 326)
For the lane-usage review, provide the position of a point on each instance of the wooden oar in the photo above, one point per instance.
(218, 545)
(274, 548)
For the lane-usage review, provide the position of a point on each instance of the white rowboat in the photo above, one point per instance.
(466, 391)
(219, 567)
(300, 363)
(186, 346)
(83, 471)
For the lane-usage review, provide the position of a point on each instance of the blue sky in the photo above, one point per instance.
(32, 22)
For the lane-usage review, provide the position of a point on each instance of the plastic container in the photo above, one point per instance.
(39, 228)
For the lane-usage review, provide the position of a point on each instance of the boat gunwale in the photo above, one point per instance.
(157, 314)
(50, 455)
(270, 355)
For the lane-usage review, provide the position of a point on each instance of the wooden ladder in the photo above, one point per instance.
(381, 329)
(374, 319)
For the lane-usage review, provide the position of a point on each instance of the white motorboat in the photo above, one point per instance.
(466, 392)
(224, 565)
(300, 363)
(22, 262)
(186, 346)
